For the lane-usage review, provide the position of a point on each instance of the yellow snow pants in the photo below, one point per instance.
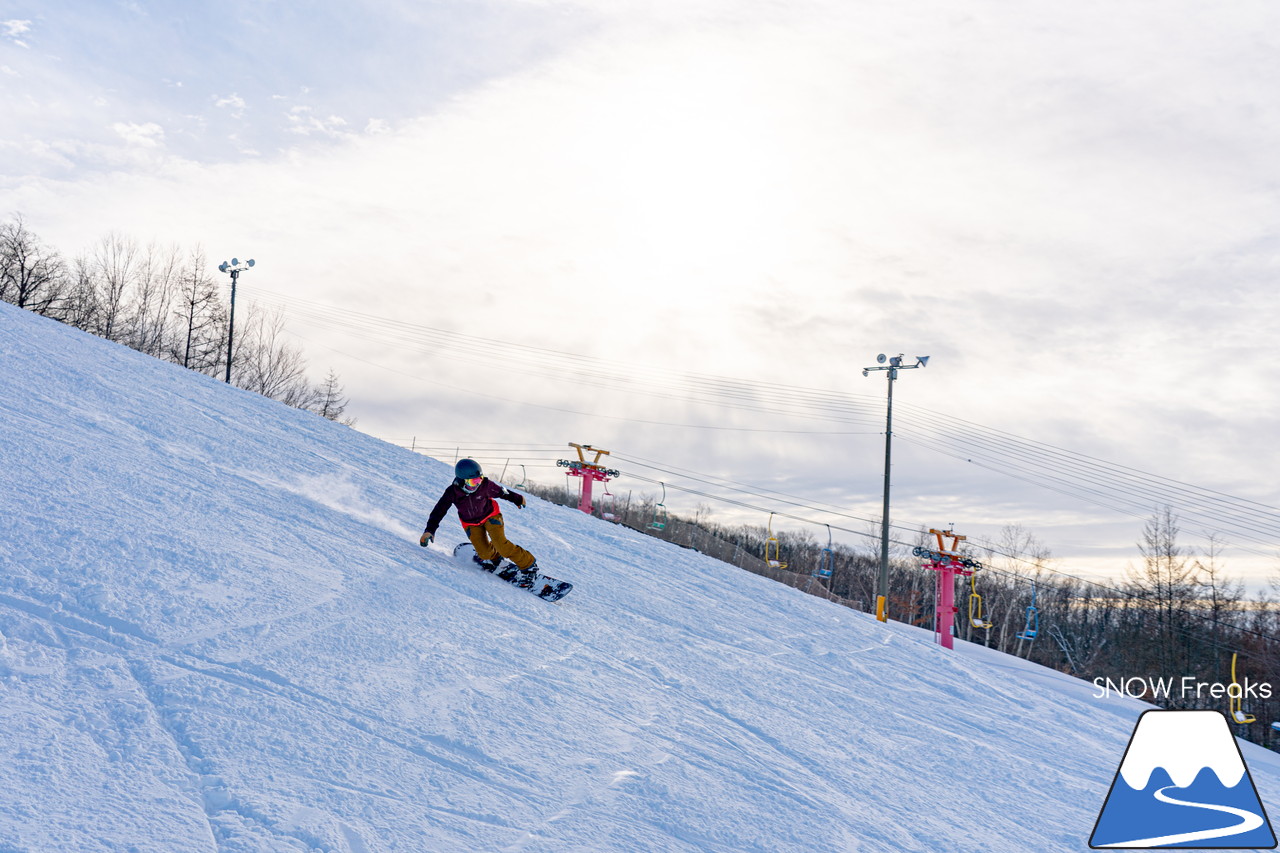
(490, 541)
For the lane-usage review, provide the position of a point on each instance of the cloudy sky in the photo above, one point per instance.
(518, 224)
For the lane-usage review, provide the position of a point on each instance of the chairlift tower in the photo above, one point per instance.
(894, 365)
(591, 472)
(948, 562)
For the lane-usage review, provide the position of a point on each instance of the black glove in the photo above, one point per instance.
(427, 537)
(519, 500)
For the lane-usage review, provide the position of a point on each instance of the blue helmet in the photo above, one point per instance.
(467, 469)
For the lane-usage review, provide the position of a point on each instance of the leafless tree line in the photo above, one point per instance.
(162, 301)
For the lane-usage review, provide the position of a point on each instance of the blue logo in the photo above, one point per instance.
(1183, 783)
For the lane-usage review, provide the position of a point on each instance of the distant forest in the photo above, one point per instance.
(165, 302)
(1176, 615)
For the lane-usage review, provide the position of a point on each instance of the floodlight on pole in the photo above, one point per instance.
(894, 365)
(233, 268)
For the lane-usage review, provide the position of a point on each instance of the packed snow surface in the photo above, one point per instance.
(218, 632)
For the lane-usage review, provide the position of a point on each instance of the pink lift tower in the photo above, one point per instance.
(948, 562)
(591, 472)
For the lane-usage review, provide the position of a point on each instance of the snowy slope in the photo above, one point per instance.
(219, 633)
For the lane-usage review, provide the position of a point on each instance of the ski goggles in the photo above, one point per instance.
(471, 483)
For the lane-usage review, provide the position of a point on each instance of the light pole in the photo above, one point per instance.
(234, 268)
(895, 364)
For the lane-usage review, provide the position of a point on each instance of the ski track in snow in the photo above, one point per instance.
(217, 632)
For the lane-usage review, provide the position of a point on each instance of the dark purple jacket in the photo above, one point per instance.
(475, 508)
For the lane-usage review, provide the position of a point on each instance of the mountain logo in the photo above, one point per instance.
(1183, 783)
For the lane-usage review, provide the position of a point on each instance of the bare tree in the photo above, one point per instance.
(1021, 547)
(150, 311)
(115, 263)
(79, 308)
(198, 343)
(32, 276)
(263, 363)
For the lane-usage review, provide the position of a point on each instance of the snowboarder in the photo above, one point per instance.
(475, 497)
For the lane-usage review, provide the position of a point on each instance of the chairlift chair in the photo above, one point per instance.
(1236, 703)
(825, 563)
(610, 504)
(975, 607)
(1032, 629)
(827, 559)
(659, 521)
(772, 550)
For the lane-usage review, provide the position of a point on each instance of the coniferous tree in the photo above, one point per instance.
(1165, 583)
(331, 402)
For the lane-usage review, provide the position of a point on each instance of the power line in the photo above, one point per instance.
(1092, 469)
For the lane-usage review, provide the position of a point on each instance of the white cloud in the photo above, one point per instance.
(148, 135)
(14, 29)
(241, 147)
(303, 122)
(233, 103)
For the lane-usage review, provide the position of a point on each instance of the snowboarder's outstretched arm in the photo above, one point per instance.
(437, 516)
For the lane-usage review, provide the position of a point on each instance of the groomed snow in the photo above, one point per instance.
(218, 632)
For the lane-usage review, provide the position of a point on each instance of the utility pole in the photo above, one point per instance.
(894, 365)
(234, 268)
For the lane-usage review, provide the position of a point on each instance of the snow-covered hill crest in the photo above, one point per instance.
(217, 632)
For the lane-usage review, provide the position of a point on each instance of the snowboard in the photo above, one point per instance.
(545, 587)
